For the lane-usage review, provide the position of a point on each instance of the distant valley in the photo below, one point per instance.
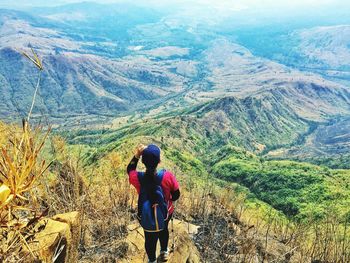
(107, 66)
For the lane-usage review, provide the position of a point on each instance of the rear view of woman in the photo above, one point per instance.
(157, 190)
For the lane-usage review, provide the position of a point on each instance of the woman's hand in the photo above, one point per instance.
(139, 149)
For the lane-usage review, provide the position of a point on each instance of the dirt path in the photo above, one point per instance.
(185, 251)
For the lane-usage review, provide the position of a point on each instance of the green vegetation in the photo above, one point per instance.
(298, 189)
(341, 161)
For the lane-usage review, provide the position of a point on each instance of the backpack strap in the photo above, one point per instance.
(160, 176)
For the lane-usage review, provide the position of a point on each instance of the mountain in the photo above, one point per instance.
(325, 46)
(325, 50)
(108, 65)
(76, 81)
(322, 47)
(211, 140)
(259, 122)
(328, 144)
(85, 84)
(233, 70)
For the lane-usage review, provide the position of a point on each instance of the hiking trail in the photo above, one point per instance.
(185, 250)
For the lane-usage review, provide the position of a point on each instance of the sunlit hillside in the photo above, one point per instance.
(250, 108)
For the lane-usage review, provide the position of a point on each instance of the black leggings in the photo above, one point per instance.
(151, 239)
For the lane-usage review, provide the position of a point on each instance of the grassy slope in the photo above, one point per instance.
(252, 123)
(296, 188)
(197, 141)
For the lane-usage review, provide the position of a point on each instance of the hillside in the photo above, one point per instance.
(105, 72)
(140, 67)
(297, 189)
(325, 50)
(301, 192)
(313, 48)
(252, 117)
(328, 145)
(325, 45)
(260, 123)
(200, 139)
(220, 205)
(86, 85)
(80, 81)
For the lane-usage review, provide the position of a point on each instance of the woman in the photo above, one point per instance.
(151, 159)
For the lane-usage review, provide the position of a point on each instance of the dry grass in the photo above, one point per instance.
(232, 232)
(20, 170)
(102, 196)
(229, 231)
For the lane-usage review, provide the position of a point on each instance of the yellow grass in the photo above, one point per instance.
(20, 169)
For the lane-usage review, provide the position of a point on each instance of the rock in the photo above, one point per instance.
(185, 251)
(73, 220)
(277, 251)
(58, 237)
(241, 258)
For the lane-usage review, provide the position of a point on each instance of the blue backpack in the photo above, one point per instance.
(152, 207)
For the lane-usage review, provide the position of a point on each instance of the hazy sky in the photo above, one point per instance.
(231, 4)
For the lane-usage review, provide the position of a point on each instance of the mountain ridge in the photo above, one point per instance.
(81, 87)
